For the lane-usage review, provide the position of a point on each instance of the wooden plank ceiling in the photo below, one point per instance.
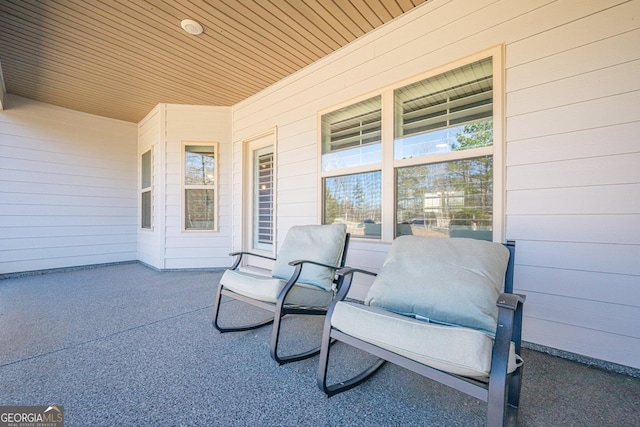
(119, 58)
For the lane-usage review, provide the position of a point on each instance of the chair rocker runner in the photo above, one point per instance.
(443, 308)
(303, 281)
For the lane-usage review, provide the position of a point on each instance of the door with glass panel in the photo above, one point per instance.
(259, 197)
(263, 198)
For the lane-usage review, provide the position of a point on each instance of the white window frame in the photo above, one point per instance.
(266, 247)
(388, 165)
(184, 187)
(249, 145)
(144, 190)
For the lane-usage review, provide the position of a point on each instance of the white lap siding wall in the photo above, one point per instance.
(572, 194)
(164, 130)
(67, 188)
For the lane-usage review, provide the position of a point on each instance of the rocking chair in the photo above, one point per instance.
(443, 308)
(303, 281)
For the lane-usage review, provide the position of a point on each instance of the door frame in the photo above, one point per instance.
(249, 146)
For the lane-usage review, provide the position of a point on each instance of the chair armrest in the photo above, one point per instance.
(306, 261)
(298, 263)
(252, 254)
(350, 270)
(510, 301)
(509, 316)
(509, 329)
(345, 277)
(239, 255)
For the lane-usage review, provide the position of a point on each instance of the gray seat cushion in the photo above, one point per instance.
(461, 351)
(447, 281)
(319, 243)
(265, 288)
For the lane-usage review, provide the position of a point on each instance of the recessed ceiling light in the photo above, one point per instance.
(191, 27)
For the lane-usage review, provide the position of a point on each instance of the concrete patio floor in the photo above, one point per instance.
(125, 345)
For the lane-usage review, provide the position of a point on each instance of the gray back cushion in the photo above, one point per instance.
(449, 281)
(320, 243)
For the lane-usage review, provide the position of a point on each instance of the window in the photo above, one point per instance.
(145, 190)
(446, 167)
(432, 114)
(352, 138)
(449, 199)
(263, 167)
(451, 112)
(354, 200)
(200, 186)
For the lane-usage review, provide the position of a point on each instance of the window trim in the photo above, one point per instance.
(256, 245)
(388, 165)
(214, 187)
(148, 189)
(263, 139)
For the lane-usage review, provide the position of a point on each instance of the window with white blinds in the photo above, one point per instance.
(351, 136)
(263, 198)
(444, 129)
(431, 113)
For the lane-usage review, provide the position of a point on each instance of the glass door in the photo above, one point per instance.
(263, 198)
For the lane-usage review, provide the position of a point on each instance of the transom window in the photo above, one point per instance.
(430, 115)
(442, 179)
(351, 136)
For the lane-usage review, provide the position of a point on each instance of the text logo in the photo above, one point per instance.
(31, 416)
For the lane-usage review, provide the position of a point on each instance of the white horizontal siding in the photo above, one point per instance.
(150, 242)
(608, 111)
(588, 314)
(30, 158)
(568, 26)
(601, 170)
(621, 139)
(72, 258)
(67, 188)
(573, 183)
(70, 189)
(195, 249)
(572, 120)
(621, 229)
(594, 257)
(579, 284)
(28, 232)
(618, 79)
(617, 348)
(601, 199)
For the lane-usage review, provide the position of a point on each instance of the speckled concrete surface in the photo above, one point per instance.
(126, 345)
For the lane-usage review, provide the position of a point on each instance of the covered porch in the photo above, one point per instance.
(128, 345)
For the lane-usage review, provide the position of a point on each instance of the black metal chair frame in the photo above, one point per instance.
(280, 308)
(502, 393)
